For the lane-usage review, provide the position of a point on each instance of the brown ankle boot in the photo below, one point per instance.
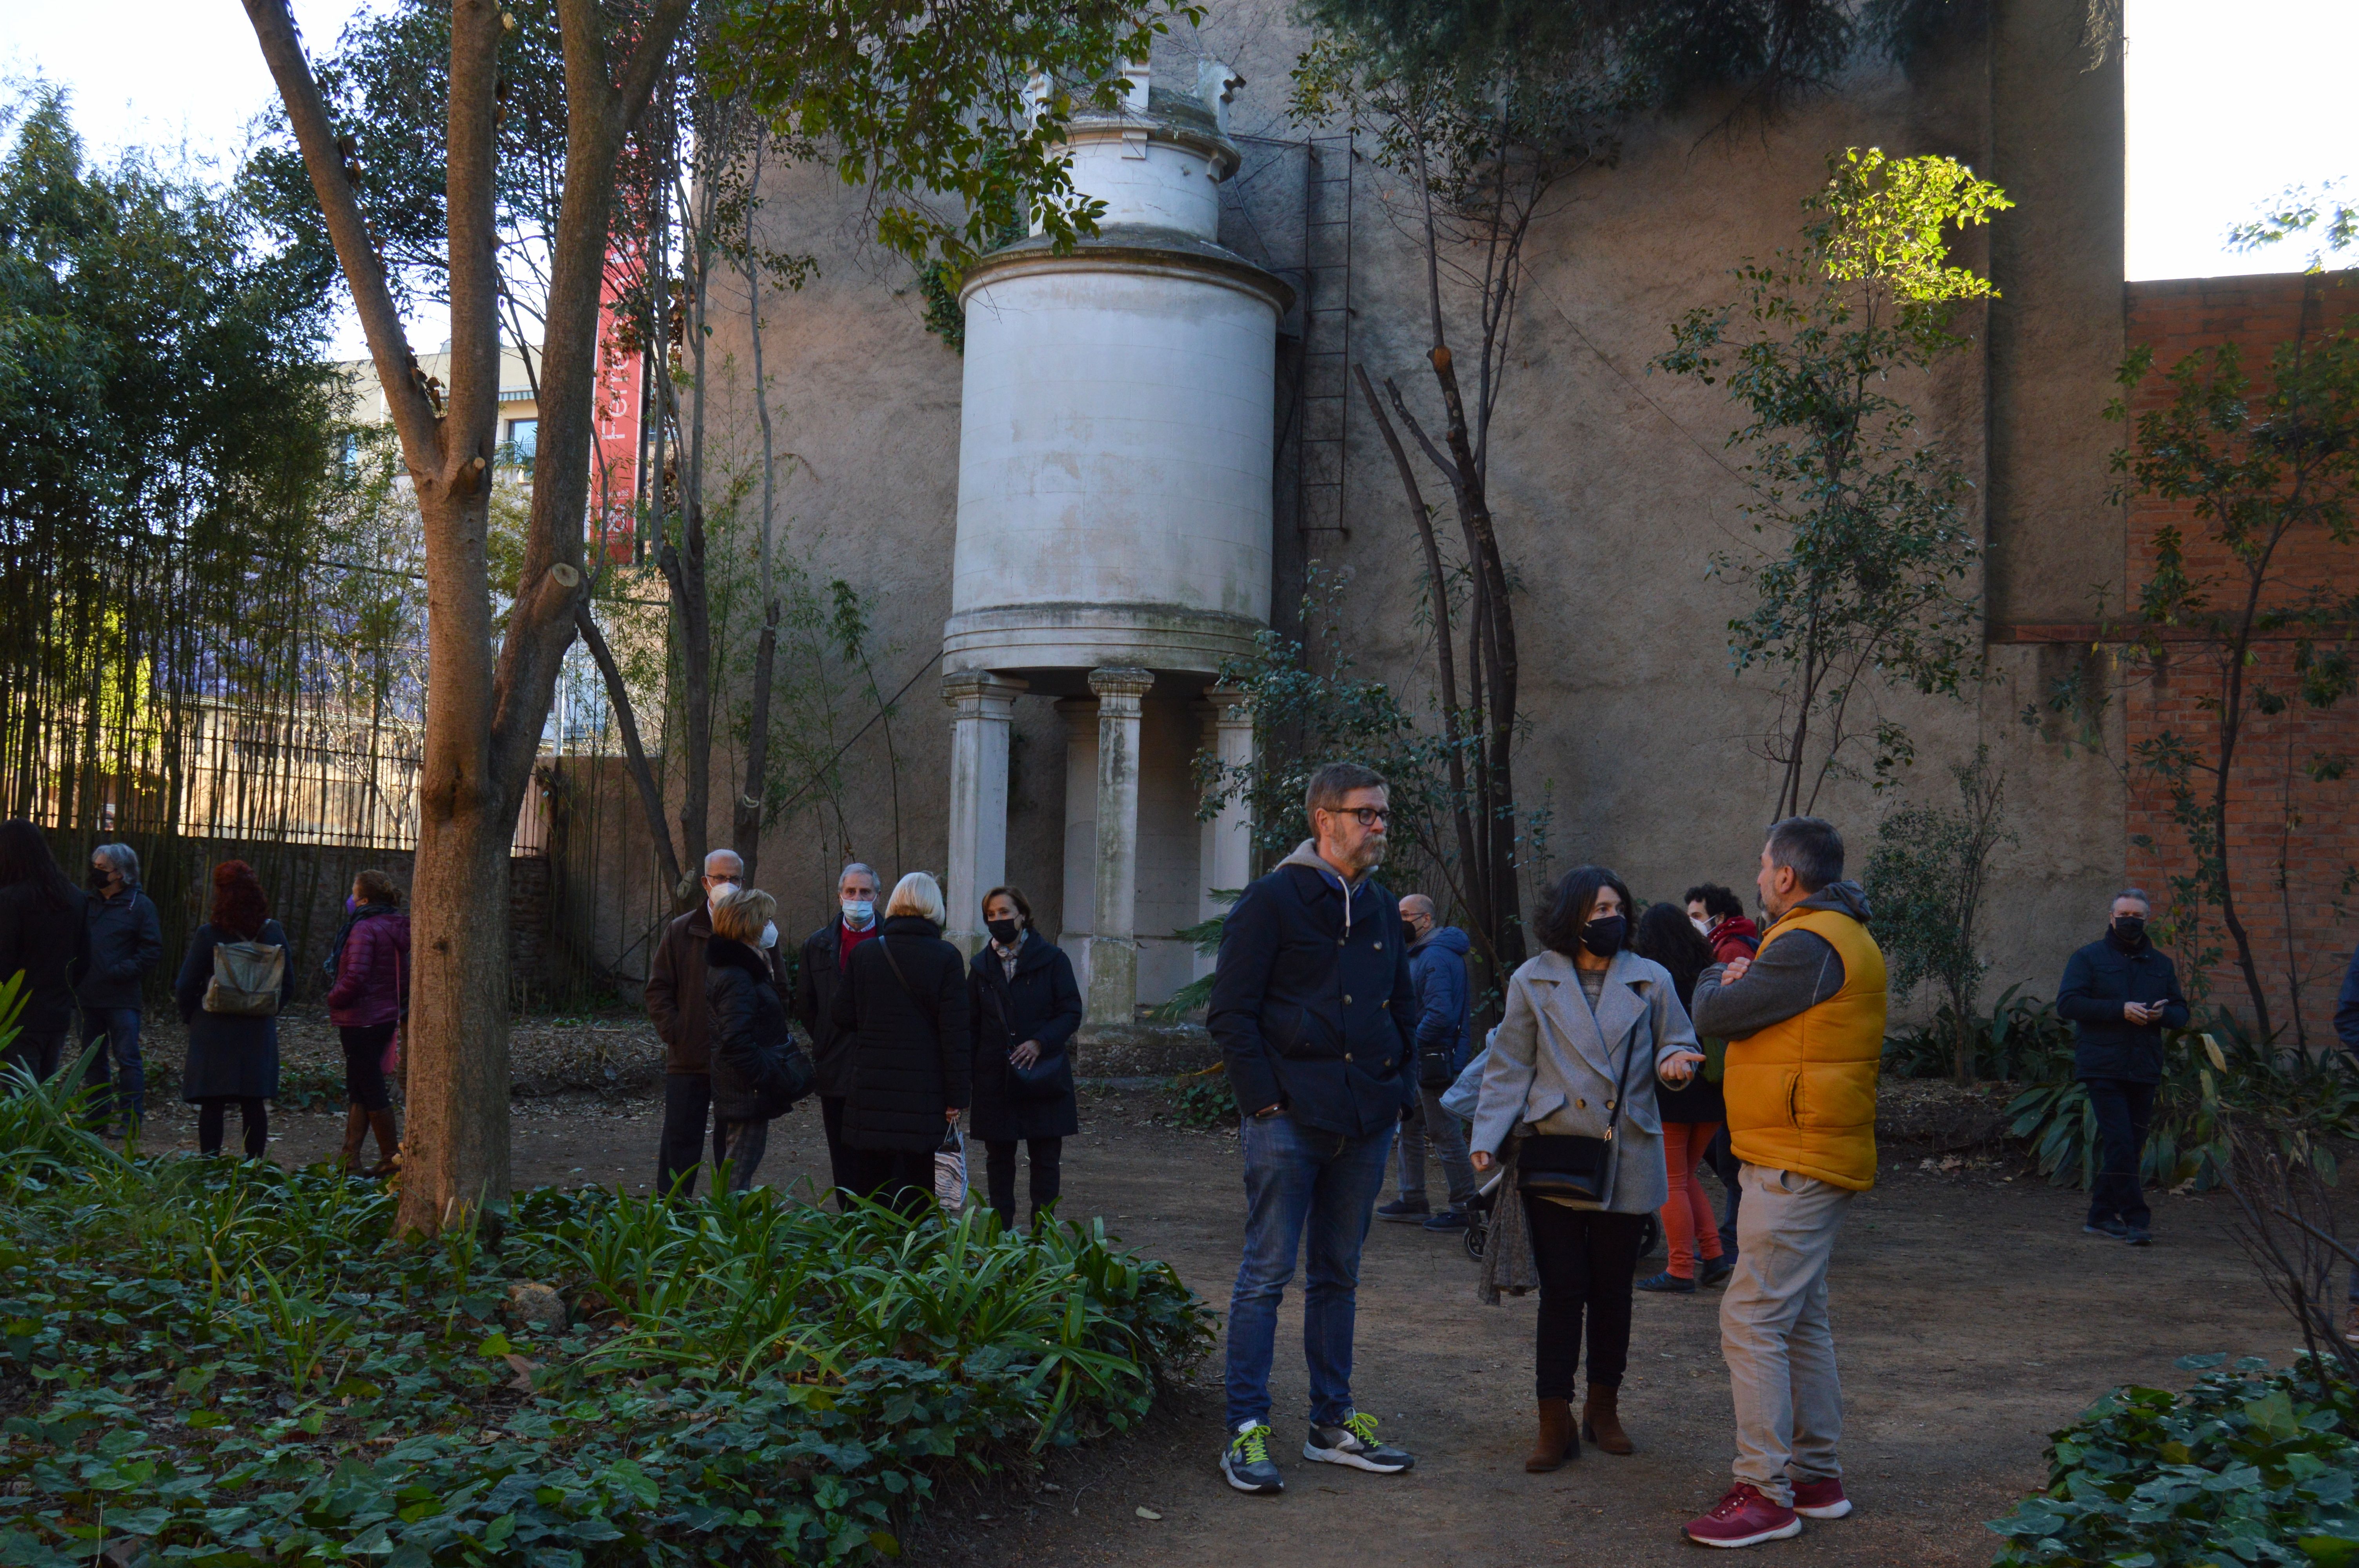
(1601, 1422)
(389, 1144)
(1557, 1442)
(356, 1125)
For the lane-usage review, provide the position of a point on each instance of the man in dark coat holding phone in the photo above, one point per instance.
(2122, 993)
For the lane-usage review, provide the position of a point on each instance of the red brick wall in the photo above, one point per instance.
(2278, 816)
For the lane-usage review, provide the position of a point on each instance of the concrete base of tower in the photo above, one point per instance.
(1095, 636)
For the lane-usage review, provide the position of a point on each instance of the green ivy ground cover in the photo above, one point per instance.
(2248, 1467)
(226, 1363)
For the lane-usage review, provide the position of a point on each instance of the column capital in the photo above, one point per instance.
(976, 691)
(1229, 705)
(1119, 684)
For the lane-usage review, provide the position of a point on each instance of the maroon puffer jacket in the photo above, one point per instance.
(372, 977)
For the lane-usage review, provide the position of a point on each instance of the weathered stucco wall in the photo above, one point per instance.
(1613, 489)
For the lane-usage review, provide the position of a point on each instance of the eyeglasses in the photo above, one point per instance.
(1369, 816)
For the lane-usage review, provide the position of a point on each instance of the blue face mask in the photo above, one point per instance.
(859, 911)
(351, 903)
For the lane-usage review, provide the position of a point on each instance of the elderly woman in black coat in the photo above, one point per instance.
(902, 1002)
(758, 1072)
(1026, 1008)
(233, 1056)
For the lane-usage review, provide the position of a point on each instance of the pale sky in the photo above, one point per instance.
(2221, 117)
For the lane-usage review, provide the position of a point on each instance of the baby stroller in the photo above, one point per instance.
(1478, 1214)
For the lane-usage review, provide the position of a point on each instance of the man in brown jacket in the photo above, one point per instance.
(676, 1002)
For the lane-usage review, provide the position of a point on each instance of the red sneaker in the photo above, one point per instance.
(1743, 1517)
(1820, 1499)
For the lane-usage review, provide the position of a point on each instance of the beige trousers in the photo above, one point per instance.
(1774, 1333)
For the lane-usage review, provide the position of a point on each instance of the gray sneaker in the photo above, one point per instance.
(1245, 1462)
(1354, 1444)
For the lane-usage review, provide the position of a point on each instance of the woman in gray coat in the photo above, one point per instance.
(1589, 1025)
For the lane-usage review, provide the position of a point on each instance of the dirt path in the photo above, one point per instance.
(1972, 1316)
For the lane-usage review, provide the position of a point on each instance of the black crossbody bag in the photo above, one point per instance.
(1569, 1164)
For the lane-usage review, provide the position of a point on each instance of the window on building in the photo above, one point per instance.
(523, 434)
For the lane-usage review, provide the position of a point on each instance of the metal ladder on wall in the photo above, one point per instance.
(1326, 388)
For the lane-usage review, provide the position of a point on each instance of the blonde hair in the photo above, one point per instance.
(917, 893)
(740, 916)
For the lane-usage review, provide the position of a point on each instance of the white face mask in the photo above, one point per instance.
(714, 898)
(859, 911)
(769, 935)
(1703, 927)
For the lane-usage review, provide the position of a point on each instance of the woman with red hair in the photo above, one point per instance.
(231, 1013)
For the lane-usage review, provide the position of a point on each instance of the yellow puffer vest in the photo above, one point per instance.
(1801, 1094)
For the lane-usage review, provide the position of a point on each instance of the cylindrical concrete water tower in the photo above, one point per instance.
(1113, 523)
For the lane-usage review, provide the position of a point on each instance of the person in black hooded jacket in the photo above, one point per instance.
(758, 1071)
(1026, 1006)
(2121, 993)
(903, 1003)
(41, 938)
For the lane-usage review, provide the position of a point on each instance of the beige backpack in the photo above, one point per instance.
(249, 978)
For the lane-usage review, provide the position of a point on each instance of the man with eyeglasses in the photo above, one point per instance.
(1316, 1015)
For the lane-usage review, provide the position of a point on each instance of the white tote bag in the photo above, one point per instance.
(950, 1171)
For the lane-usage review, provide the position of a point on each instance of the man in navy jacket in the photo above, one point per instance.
(2122, 993)
(1315, 1014)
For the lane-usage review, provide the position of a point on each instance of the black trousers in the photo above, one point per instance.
(897, 1178)
(39, 1052)
(1048, 1174)
(1586, 1260)
(688, 1101)
(212, 1112)
(841, 1166)
(364, 1046)
(1725, 1164)
(2123, 1112)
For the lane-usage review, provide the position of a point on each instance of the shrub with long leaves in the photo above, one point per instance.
(2207, 1075)
(238, 1364)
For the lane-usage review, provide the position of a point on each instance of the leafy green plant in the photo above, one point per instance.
(243, 1365)
(2209, 1075)
(1202, 1101)
(2021, 1041)
(1857, 590)
(2247, 1466)
(1925, 881)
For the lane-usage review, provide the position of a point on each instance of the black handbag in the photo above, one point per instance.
(1569, 1164)
(1048, 1077)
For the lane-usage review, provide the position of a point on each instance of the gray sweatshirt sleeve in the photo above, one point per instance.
(1793, 974)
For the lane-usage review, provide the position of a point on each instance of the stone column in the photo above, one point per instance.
(982, 705)
(1114, 950)
(1081, 716)
(1227, 844)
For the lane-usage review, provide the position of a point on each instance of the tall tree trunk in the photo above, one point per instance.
(482, 723)
(746, 829)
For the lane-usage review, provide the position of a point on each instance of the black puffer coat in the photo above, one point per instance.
(231, 1055)
(758, 1071)
(910, 1046)
(1042, 1004)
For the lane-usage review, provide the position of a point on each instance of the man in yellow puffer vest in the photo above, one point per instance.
(1804, 1022)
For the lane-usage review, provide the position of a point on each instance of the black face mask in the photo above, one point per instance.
(1002, 931)
(1602, 936)
(100, 879)
(2128, 932)
(1408, 932)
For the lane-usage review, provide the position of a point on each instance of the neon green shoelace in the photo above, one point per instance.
(1253, 1444)
(1362, 1425)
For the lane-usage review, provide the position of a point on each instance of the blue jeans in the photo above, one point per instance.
(128, 1090)
(2124, 1110)
(1299, 1180)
